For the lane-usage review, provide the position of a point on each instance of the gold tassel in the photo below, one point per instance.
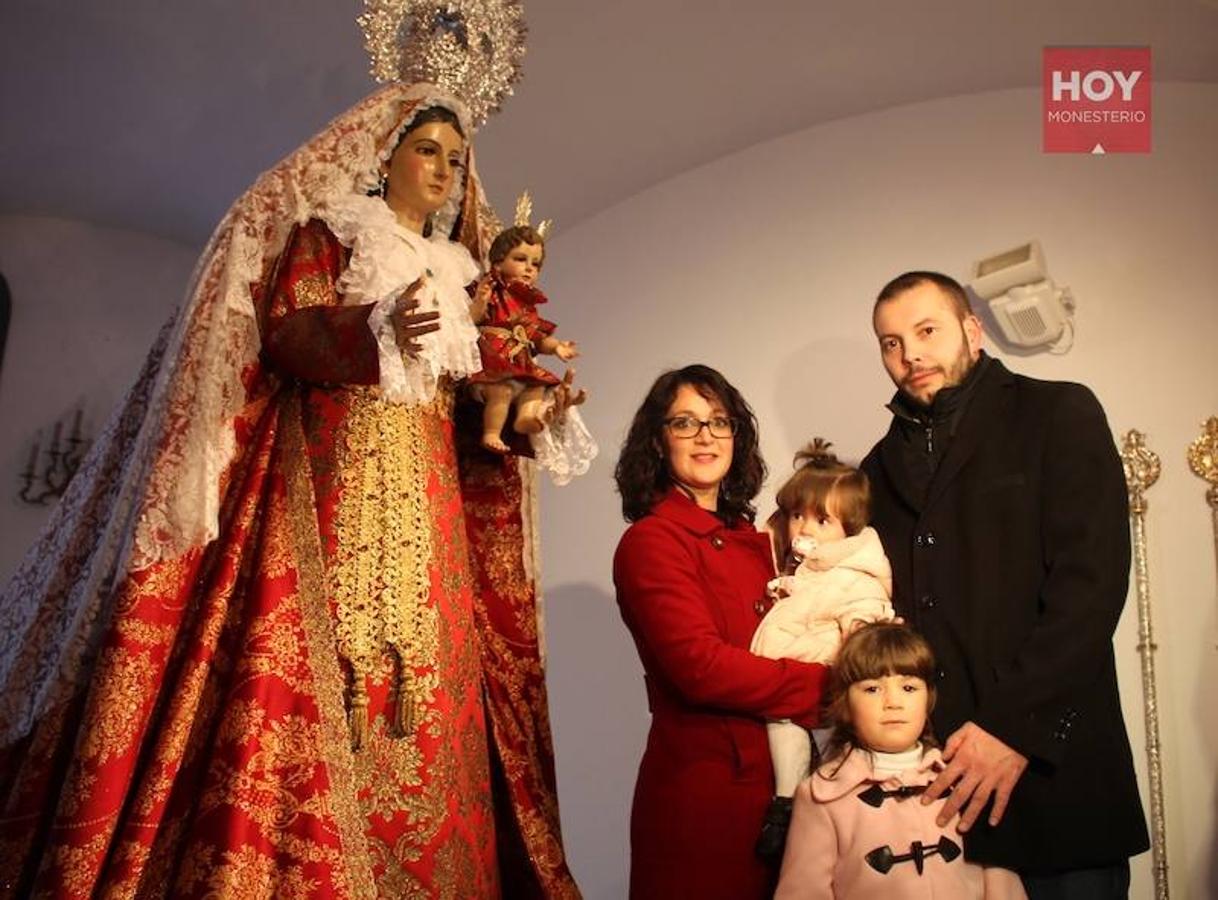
(359, 714)
(403, 707)
(403, 715)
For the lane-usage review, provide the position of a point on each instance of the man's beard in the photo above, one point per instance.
(953, 374)
(960, 367)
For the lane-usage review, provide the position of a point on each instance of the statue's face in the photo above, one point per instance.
(423, 168)
(523, 263)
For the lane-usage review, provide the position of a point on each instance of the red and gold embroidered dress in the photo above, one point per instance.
(276, 642)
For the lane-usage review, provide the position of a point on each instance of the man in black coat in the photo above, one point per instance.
(1001, 503)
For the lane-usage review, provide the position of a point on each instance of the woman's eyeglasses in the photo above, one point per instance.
(689, 427)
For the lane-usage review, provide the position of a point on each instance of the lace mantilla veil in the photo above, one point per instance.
(150, 488)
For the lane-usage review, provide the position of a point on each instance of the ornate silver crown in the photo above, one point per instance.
(470, 48)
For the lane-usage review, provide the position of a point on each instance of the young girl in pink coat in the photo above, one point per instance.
(841, 580)
(860, 829)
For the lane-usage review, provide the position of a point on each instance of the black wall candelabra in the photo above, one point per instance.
(63, 457)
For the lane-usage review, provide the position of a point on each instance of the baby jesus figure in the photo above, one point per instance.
(511, 332)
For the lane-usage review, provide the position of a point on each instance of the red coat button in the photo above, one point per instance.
(717, 542)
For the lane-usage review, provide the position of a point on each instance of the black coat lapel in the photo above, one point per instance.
(985, 408)
(892, 457)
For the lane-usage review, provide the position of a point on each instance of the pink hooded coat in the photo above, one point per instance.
(834, 831)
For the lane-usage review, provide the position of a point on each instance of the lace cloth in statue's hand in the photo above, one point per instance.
(564, 447)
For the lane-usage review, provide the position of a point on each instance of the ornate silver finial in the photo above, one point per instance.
(1141, 471)
(470, 48)
(1203, 458)
(1142, 468)
(524, 211)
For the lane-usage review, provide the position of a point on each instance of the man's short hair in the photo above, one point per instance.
(950, 286)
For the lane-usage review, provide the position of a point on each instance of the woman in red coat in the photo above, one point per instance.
(691, 573)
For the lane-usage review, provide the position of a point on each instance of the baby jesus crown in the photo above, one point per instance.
(524, 210)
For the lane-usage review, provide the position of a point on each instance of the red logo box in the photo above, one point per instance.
(1096, 99)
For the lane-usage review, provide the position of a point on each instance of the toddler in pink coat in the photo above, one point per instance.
(841, 580)
(860, 830)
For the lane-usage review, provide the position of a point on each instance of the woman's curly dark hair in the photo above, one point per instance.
(642, 473)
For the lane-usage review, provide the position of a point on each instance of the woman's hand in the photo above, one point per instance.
(409, 325)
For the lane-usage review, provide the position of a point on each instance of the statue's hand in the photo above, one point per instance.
(409, 325)
(563, 397)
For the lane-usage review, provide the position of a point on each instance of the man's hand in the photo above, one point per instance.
(979, 766)
(409, 325)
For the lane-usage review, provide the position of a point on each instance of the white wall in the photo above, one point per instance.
(764, 264)
(87, 303)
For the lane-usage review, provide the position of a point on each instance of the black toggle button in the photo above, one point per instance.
(927, 601)
(717, 542)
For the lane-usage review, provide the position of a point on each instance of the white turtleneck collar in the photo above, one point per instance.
(886, 765)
